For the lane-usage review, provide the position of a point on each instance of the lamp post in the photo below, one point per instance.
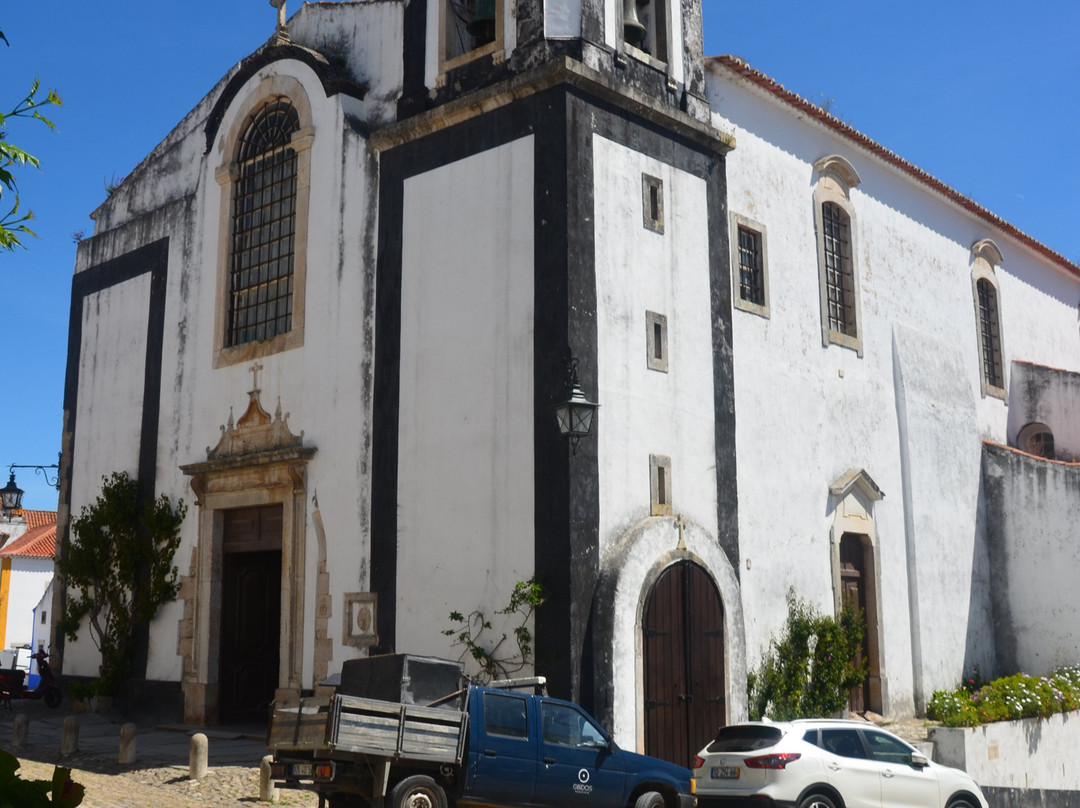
(576, 414)
(11, 495)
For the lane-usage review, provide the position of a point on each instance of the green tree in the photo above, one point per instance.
(118, 570)
(811, 668)
(13, 222)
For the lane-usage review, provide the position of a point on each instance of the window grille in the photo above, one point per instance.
(751, 277)
(839, 277)
(263, 230)
(990, 334)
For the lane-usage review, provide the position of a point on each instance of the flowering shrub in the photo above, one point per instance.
(1007, 699)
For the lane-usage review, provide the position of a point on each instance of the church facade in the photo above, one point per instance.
(335, 308)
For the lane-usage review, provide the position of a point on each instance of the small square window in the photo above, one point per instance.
(652, 203)
(749, 259)
(656, 341)
(660, 485)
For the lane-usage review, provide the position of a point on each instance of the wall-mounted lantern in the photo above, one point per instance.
(576, 414)
(11, 495)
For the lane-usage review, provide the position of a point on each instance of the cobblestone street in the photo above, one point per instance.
(159, 777)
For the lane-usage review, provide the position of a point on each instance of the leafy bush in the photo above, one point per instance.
(810, 670)
(18, 793)
(1007, 699)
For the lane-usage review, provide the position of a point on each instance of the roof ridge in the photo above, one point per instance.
(742, 68)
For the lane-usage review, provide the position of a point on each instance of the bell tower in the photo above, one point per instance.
(454, 47)
(553, 183)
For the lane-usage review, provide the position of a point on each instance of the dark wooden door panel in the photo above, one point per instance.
(684, 663)
(250, 613)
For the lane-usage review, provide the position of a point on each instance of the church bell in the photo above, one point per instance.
(482, 25)
(633, 31)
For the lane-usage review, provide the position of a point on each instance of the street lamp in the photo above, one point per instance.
(575, 415)
(11, 494)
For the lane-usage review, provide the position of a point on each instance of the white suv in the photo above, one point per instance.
(824, 763)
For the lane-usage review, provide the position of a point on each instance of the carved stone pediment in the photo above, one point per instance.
(255, 440)
(255, 432)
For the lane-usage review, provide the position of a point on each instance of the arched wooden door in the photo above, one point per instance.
(685, 695)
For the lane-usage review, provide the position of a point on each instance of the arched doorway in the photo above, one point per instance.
(683, 657)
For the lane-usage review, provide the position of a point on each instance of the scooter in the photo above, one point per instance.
(12, 684)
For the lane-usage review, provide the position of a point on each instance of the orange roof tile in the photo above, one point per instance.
(38, 518)
(38, 542)
(743, 69)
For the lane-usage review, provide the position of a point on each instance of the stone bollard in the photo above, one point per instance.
(267, 790)
(19, 730)
(197, 757)
(128, 744)
(69, 736)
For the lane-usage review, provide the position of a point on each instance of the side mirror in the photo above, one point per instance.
(919, 760)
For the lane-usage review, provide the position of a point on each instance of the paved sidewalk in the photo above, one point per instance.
(159, 777)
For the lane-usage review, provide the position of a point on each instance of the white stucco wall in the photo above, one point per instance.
(28, 579)
(909, 412)
(1032, 512)
(465, 462)
(324, 386)
(649, 412)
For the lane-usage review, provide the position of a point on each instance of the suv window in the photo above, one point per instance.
(843, 742)
(887, 749)
(505, 715)
(745, 738)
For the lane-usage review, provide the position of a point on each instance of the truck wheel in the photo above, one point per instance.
(650, 799)
(418, 791)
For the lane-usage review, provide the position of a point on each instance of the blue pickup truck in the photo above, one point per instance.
(478, 746)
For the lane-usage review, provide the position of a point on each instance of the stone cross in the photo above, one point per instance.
(255, 376)
(680, 525)
(280, 34)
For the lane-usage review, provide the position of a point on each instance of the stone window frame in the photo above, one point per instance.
(652, 203)
(1036, 439)
(660, 488)
(985, 257)
(740, 222)
(268, 91)
(493, 48)
(836, 179)
(657, 351)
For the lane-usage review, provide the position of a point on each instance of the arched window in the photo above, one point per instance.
(1036, 439)
(989, 333)
(985, 256)
(839, 276)
(261, 264)
(834, 218)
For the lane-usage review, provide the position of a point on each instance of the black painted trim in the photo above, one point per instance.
(566, 550)
(334, 80)
(152, 258)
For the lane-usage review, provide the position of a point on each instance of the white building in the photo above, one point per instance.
(872, 360)
(387, 230)
(26, 570)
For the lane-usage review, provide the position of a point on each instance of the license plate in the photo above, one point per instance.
(303, 770)
(725, 772)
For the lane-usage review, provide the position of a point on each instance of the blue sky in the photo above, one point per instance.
(983, 94)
